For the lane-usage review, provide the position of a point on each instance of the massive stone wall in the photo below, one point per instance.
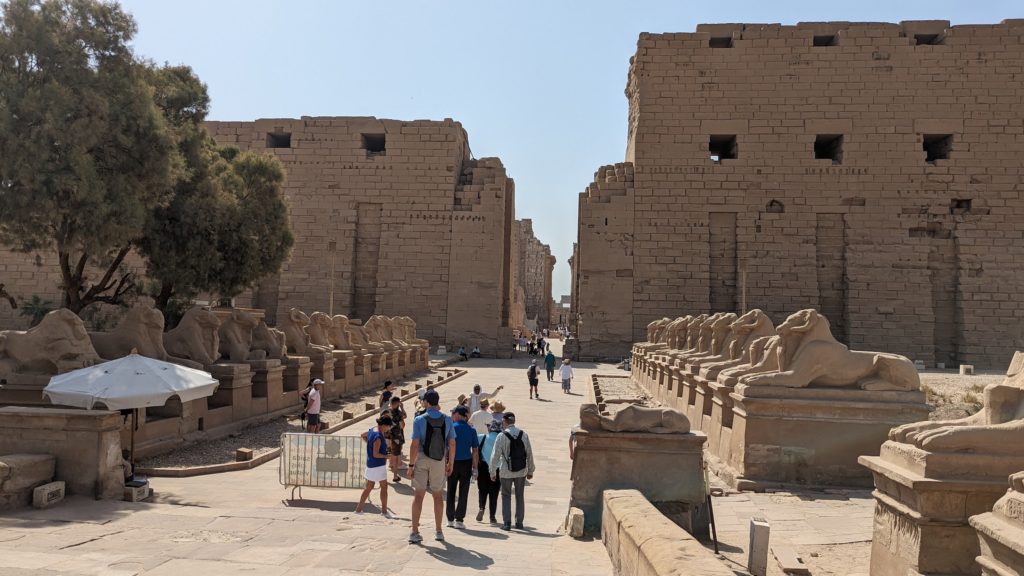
(535, 268)
(869, 170)
(407, 221)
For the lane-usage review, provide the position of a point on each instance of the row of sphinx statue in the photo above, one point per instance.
(60, 342)
(748, 349)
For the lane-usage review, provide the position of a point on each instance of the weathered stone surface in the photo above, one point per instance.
(895, 245)
(196, 337)
(58, 344)
(1001, 533)
(642, 541)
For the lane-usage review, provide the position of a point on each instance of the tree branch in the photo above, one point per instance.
(105, 283)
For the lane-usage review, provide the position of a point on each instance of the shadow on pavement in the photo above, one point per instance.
(328, 506)
(455, 556)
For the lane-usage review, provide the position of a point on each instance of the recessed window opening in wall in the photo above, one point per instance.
(720, 42)
(374, 144)
(937, 146)
(829, 147)
(929, 39)
(960, 206)
(279, 140)
(721, 147)
(825, 40)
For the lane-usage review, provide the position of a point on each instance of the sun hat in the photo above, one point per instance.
(497, 406)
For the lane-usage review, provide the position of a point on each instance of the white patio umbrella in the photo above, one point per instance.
(131, 382)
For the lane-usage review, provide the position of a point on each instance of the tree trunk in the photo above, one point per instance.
(166, 291)
(76, 297)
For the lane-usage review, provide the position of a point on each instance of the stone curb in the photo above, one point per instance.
(271, 455)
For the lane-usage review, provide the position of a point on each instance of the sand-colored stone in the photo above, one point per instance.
(236, 337)
(196, 337)
(634, 418)
(57, 344)
(1001, 533)
(270, 340)
(897, 249)
(640, 540)
(932, 476)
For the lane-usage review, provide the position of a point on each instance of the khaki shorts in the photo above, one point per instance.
(429, 474)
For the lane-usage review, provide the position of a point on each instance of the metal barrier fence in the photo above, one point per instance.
(321, 461)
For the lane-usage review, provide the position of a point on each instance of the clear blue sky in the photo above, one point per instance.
(539, 84)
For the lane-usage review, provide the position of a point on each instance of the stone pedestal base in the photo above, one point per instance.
(1001, 537)
(639, 460)
(323, 368)
(268, 385)
(719, 427)
(235, 389)
(922, 504)
(296, 374)
(813, 435)
(344, 371)
(24, 389)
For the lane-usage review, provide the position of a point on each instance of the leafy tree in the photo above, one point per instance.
(85, 154)
(226, 225)
(36, 308)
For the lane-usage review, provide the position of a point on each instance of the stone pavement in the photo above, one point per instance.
(243, 523)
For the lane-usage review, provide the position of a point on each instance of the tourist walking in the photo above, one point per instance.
(430, 462)
(497, 411)
(532, 376)
(565, 372)
(512, 463)
(480, 419)
(477, 396)
(396, 436)
(488, 489)
(386, 394)
(313, 407)
(376, 464)
(467, 456)
(549, 365)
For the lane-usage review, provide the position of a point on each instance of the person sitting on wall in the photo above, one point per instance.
(462, 353)
(475, 353)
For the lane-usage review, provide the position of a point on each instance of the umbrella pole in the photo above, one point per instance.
(135, 422)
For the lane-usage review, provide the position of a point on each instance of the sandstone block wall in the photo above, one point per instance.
(389, 217)
(869, 170)
(535, 267)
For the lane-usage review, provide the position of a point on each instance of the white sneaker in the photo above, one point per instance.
(460, 525)
(387, 515)
(451, 524)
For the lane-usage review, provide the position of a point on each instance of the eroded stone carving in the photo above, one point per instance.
(270, 340)
(358, 335)
(298, 342)
(809, 355)
(655, 328)
(337, 334)
(57, 344)
(142, 330)
(998, 428)
(376, 330)
(319, 326)
(635, 418)
(196, 337)
(236, 341)
(408, 326)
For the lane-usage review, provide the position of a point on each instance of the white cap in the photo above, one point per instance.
(317, 381)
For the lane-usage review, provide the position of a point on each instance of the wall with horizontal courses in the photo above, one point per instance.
(906, 250)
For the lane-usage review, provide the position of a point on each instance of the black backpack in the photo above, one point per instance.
(433, 445)
(516, 452)
(531, 372)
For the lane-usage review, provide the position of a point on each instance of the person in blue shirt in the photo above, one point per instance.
(431, 460)
(487, 488)
(376, 464)
(466, 457)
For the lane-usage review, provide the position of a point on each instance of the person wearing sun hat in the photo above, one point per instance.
(497, 410)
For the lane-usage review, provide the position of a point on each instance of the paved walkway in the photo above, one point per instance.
(243, 522)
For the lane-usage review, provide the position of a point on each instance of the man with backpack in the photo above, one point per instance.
(512, 462)
(534, 378)
(431, 460)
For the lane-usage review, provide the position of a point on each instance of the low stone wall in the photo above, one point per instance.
(643, 542)
(85, 444)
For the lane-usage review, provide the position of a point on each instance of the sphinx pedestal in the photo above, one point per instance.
(323, 368)
(344, 371)
(268, 387)
(296, 374)
(24, 389)
(923, 501)
(234, 394)
(1001, 536)
(812, 435)
(664, 467)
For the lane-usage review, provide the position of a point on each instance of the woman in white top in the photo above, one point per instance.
(565, 373)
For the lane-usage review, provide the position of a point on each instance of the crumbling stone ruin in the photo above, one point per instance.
(866, 170)
(534, 272)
